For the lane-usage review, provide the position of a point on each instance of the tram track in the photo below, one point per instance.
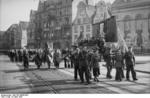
(32, 84)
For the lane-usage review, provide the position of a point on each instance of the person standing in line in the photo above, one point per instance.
(71, 52)
(130, 64)
(16, 56)
(65, 56)
(13, 55)
(38, 59)
(49, 58)
(57, 58)
(25, 59)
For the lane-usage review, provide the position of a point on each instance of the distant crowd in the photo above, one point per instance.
(85, 61)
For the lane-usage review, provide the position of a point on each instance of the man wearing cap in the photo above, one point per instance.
(130, 63)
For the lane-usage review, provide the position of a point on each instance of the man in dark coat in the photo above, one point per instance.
(76, 64)
(84, 68)
(38, 59)
(16, 56)
(25, 59)
(20, 55)
(56, 58)
(65, 56)
(71, 58)
(130, 63)
(109, 62)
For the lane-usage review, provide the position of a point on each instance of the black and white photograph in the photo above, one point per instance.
(74, 47)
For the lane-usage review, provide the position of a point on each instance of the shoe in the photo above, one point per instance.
(88, 83)
(82, 82)
(135, 79)
(128, 79)
(97, 80)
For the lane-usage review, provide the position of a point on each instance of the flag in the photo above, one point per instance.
(80, 37)
(110, 30)
(96, 29)
(121, 42)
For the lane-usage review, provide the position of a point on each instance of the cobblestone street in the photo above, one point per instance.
(14, 80)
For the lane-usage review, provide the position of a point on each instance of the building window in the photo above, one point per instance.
(75, 29)
(138, 22)
(44, 35)
(88, 28)
(139, 30)
(75, 37)
(81, 28)
(127, 26)
(79, 21)
(84, 20)
(67, 20)
(88, 36)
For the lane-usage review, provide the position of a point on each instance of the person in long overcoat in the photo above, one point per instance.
(119, 63)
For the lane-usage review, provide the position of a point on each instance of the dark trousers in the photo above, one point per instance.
(49, 63)
(13, 58)
(56, 64)
(20, 58)
(85, 72)
(118, 74)
(71, 61)
(26, 64)
(109, 69)
(66, 62)
(76, 72)
(122, 73)
(130, 68)
(39, 65)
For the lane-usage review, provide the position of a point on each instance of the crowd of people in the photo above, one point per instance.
(84, 60)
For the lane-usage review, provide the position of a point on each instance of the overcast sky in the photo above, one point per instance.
(13, 11)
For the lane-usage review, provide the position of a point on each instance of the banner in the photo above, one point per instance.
(96, 29)
(110, 30)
